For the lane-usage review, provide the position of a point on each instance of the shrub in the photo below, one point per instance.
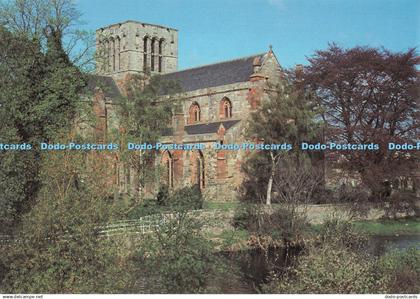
(400, 271)
(187, 197)
(342, 234)
(244, 216)
(338, 263)
(177, 257)
(327, 270)
(282, 223)
(163, 196)
(402, 203)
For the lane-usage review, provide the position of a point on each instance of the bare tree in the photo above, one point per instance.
(31, 18)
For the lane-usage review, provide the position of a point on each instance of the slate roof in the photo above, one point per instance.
(210, 127)
(167, 132)
(218, 74)
(106, 84)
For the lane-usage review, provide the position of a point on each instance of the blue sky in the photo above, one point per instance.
(218, 30)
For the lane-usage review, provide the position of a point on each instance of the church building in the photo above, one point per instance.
(216, 101)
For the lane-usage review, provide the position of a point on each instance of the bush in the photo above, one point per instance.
(327, 270)
(163, 196)
(187, 197)
(402, 203)
(280, 223)
(244, 216)
(338, 263)
(342, 234)
(177, 257)
(401, 271)
(148, 206)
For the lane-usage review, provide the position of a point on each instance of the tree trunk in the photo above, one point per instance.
(270, 180)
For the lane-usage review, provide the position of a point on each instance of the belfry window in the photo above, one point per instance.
(160, 56)
(113, 54)
(118, 53)
(152, 58)
(145, 53)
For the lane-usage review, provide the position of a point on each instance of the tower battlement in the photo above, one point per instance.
(133, 47)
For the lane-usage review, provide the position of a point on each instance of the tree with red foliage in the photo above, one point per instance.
(368, 95)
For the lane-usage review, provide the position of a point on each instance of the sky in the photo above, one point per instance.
(217, 30)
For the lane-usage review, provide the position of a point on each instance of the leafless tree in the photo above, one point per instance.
(31, 18)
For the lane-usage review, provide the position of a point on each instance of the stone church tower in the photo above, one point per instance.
(215, 103)
(134, 47)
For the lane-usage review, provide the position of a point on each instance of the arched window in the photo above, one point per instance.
(194, 113)
(168, 165)
(225, 108)
(152, 58)
(198, 174)
(107, 56)
(145, 40)
(161, 41)
(118, 53)
(112, 54)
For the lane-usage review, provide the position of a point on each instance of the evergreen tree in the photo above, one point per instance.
(38, 98)
(287, 117)
(146, 112)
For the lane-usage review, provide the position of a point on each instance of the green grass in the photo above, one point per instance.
(225, 206)
(230, 239)
(409, 226)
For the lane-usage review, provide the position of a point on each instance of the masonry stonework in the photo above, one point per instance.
(216, 101)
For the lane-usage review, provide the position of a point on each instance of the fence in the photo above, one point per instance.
(143, 225)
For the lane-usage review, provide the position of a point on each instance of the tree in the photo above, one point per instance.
(287, 176)
(60, 248)
(145, 113)
(285, 118)
(31, 18)
(39, 98)
(177, 257)
(368, 95)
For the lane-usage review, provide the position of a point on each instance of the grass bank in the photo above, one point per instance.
(409, 226)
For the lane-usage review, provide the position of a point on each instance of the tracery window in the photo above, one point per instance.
(225, 108)
(194, 113)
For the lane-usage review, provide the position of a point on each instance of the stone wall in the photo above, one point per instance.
(120, 48)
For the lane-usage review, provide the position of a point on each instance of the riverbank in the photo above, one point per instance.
(237, 239)
(406, 226)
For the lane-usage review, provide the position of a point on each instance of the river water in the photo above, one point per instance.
(251, 268)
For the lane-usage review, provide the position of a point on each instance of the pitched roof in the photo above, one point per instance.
(106, 84)
(210, 127)
(218, 74)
